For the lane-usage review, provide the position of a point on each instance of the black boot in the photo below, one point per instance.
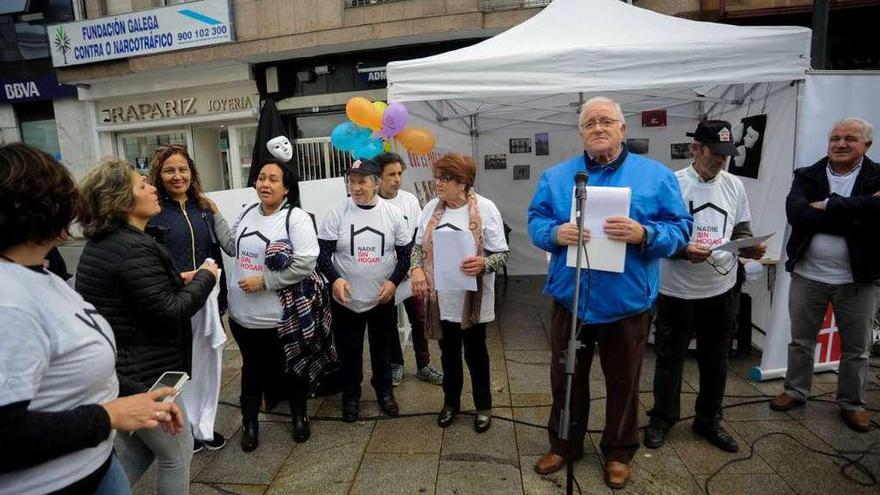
(299, 410)
(250, 432)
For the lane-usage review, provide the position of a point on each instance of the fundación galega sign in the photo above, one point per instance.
(146, 32)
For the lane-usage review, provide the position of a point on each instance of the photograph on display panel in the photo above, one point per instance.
(749, 146)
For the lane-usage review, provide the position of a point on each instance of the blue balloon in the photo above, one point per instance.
(347, 136)
(370, 148)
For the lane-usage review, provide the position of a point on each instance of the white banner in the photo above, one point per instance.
(827, 98)
(145, 32)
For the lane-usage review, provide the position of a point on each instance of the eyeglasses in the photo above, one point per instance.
(592, 124)
(720, 269)
(444, 178)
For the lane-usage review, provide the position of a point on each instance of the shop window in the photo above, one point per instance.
(116, 7)
(37, 126)
(138, 149)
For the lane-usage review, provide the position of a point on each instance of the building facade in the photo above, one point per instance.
(311, 56)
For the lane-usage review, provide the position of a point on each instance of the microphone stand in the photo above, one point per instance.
(573, 343)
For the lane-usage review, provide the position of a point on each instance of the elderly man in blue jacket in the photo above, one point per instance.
(616, 311)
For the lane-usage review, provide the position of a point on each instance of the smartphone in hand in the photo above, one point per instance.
(174, 379)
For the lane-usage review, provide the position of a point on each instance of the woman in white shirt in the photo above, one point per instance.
(365, 255)
(254, 309)
(58, 388)
(458, 318)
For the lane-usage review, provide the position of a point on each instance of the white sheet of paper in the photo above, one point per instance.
(451, 247)
(735, 246)
(602, 202)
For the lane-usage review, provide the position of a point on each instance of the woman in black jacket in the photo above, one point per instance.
(130, 278)
(187, 225)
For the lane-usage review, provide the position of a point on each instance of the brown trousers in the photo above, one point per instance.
(621, 345)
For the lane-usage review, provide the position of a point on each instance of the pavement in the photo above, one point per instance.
(411, 455)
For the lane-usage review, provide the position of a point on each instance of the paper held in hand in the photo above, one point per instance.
(604, 254)
(451, 247)
(735, 246)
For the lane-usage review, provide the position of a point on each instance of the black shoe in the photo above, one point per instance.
(716, 436)
(482, 420)
(198, 446)
(655, 436)
(446, 416)
(217, 443)
(250, 435)
(389, 406)
(301, 429)
(350, 411)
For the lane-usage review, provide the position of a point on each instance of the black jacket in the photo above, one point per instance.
(856, 218)
(129, 276)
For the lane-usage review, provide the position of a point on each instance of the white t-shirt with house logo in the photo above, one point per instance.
(451, 302)
(365, 253)
(716, 207)
(408, 204)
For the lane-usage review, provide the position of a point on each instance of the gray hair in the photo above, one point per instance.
(867, 128)
(601, 100)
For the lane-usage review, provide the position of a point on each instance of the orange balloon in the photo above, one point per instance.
(418, 140)
(362, 112)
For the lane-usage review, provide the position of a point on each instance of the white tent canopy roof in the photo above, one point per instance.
(577, 46)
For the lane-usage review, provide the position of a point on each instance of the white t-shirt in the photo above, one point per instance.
(451, 302)
(827, 258)
(716, 206)
(57, 352)
(253, 233)
(408, 204)
(203, 390)
(365, 242)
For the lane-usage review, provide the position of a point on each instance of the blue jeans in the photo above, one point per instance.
(115, 482)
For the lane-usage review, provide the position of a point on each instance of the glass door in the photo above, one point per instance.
(138, 148)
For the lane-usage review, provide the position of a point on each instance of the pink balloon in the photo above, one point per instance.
(394, 119)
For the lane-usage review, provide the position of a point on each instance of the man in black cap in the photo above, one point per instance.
(698, 289)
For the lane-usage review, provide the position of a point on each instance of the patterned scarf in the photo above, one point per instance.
(472, 300)
(304, 330)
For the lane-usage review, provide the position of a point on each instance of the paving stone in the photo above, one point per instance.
(528, 377)
(531, 399)
(498, 444)
(406, 436)
(701, 457)
(225, 489)
(327, 463)
(753, 484)
(232, 465)
(391, 474)
(532, 440)
(660, 471)
(587, 471)
(525, 338)
(478, 474)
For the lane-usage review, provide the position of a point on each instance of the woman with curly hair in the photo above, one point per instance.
(186, 224)
(58, 389)
(130, 278)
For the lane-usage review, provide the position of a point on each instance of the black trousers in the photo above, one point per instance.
(381, 325)
(262, 369)
(711, 319)
(420, 343)
(477, 357)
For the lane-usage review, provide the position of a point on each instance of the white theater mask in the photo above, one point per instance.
(280, 148)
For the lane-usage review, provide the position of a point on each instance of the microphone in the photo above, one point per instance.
(581, 178)
(580, 192)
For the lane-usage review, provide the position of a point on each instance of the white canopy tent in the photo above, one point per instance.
(534, 76)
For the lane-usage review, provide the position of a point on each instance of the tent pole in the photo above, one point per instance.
(819, 44)
(474, 135)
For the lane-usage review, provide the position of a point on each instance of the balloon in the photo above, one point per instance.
(417, 140)
(394, 120)
(368, 149)
(363, 113)
(347, 136)
(380, 107)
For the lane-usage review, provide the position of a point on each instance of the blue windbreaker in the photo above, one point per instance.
(656, 204)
